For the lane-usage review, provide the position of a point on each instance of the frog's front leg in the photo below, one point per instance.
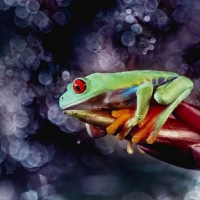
(143, 94)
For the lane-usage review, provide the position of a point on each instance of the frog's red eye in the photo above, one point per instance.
(79, 86)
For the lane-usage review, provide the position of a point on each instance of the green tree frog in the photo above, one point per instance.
(129, 89)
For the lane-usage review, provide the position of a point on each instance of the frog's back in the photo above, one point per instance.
(125, 79)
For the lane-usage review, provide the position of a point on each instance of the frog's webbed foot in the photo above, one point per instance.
(121, 117)
(126, 118)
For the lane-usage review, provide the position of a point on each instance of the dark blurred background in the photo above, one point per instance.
(46, 44)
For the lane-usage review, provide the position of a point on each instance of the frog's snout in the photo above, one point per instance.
(61, 101)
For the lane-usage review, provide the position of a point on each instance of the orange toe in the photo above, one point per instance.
(123, 116)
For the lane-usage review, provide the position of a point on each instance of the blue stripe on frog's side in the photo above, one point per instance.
(129, 93)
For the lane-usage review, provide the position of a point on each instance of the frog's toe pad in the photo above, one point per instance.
(151, 139)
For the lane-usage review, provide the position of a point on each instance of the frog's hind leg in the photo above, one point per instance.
(170, 94)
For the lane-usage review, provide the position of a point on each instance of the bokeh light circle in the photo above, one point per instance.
(62, 16)
(128, 38)
(137, 29)
(21, 119)
(32, 6)
(45, 77)
(151, 5)
(45, 25)
(21, 12)
(32, 62)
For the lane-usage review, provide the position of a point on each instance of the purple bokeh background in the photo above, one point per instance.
(44, 45)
